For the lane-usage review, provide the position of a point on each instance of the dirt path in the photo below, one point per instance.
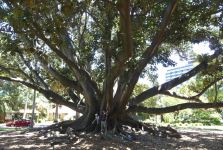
(196, 139)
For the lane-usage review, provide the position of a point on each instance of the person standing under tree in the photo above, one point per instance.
(103, 119)
(97, 118)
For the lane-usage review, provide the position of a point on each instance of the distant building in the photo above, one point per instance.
(178, 71)
(60, 113)
(52, 113)
(19, 114)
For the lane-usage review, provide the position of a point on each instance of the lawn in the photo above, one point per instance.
(3, 129)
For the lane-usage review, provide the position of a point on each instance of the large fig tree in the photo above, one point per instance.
(89, 55)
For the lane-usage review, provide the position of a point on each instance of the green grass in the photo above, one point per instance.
(11, 129)
(7, 129)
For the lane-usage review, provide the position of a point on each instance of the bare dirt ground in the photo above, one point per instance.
(192, 139)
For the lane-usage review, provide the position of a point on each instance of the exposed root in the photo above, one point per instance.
(161, 131)
(152, 129)
(125, 129)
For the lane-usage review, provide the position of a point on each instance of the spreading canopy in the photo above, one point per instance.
(90, 54)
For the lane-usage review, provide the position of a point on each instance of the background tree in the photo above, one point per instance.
(10, 96)
(96, 51)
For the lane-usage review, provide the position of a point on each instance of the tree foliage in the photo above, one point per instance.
(10, 97)
(89, 55)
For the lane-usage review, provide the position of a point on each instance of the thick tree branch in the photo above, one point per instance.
(193, 98)
(52, 96)
(13, 72)
(63, 80)
(108, 82)
(150, 51)
(76, 99)
(208, 86)
(82, 76)
(176, 81)
(40, 57)
(7, 70)
(81, 34)
(126, 36)
(27, 63)
(126, 29)
(174, 108)
(87, 84)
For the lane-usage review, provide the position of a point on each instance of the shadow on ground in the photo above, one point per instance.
(191, 139)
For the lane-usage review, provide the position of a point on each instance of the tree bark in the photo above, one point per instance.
(147, 55)
(174, 108)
